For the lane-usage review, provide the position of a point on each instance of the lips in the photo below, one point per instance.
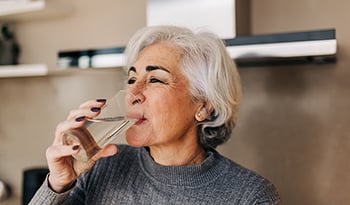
(140, 121)
(137, 116)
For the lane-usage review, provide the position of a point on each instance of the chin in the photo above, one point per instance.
(134, 139)
(134, 142)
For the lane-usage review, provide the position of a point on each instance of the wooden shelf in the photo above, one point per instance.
(42, 70)
(26, 70)
(17, 11)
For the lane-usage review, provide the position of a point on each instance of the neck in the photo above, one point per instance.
(185, 155)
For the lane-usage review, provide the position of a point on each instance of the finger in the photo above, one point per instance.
(107, 151)
(85, 108)
(88, 112)
(73, 114)
(93, 103)
(64, 126)
(60, 165)
(55, 153)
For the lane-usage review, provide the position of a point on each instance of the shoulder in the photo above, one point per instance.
(241, 182)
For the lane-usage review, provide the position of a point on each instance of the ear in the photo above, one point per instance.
(203, 112)
(201, 115)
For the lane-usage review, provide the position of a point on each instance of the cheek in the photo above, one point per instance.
(166, 117)
(172, 121)
(160, 125)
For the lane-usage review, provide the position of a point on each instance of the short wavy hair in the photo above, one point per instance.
(212, 75)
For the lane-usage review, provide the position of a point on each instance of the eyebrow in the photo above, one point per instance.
(152, 68)
(149, 68)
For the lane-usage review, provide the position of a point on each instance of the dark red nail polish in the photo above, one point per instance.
(101, 100)
(79, 119)
(95, 109)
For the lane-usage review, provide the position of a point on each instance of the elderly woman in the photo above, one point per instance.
(188, 91)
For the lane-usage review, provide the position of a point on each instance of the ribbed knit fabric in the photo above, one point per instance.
(132, 177)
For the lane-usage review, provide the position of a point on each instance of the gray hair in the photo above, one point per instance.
(212, 75)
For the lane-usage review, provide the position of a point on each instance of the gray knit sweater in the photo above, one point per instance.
(132, 177)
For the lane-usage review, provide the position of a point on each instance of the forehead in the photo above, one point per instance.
(161, 54)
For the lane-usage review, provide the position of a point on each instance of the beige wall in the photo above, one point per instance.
(293, 125)
(294, 122)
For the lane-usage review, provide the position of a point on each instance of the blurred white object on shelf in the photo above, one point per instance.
(4, 193)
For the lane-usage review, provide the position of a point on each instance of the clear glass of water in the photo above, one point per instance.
(111, 123)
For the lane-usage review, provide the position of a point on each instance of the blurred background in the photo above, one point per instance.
(293, 125)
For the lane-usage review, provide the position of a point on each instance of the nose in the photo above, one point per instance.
(137, 100)
(137, 90)
(135, 97)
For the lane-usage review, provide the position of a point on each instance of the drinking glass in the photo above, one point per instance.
(111, 123)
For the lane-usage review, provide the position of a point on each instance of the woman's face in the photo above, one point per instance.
(168, 111)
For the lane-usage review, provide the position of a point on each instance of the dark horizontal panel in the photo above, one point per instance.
(282, 37)
(285, 61)
(91, 52)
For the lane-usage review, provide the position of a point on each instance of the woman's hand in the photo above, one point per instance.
(64, 170)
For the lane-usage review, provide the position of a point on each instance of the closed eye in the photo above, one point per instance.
(155, 80)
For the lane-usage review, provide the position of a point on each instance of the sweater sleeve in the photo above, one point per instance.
(45, 195)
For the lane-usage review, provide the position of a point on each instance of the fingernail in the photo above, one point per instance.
(101, 100)
(95, 109)
(76, 147)
(79, 119)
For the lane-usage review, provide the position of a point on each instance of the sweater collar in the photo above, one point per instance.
(191, 175)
